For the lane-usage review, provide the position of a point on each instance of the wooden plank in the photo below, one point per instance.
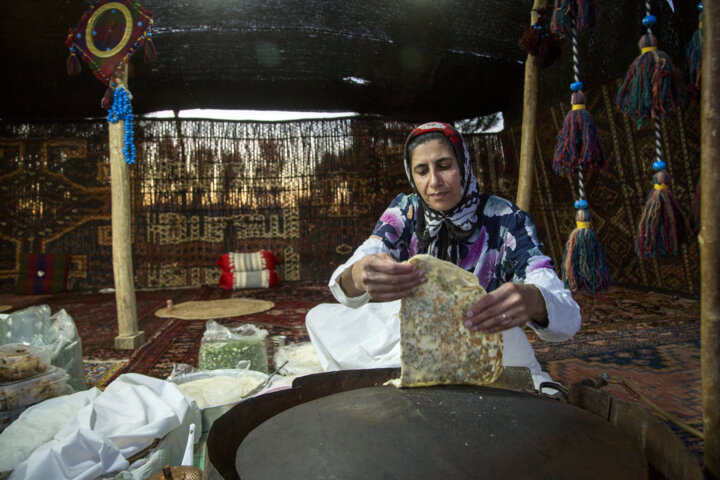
(527, 140)
(129, 337)
(709, 238)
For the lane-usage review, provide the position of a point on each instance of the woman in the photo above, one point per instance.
(448, 217)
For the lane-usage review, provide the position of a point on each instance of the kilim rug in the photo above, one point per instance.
(98, 373)
(650, 339)
(178, 341)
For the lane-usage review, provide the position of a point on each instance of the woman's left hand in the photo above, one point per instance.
(511, 305)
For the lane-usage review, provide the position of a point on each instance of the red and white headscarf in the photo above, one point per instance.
(442, 232)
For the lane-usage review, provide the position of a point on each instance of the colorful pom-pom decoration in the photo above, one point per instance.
(540, 42)
(650, 87)
(584, 13)
(578, 146)
(584, 264)
(663, 226)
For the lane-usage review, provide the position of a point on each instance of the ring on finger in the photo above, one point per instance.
(506, 319)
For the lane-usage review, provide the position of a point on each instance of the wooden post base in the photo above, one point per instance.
(129, 342)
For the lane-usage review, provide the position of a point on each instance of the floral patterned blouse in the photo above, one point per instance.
(504, 248)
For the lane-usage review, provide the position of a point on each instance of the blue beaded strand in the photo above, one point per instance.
(122, 110)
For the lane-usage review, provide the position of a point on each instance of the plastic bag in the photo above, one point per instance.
(300, 357)
(57, 333)
(180, 369)
(223, 347)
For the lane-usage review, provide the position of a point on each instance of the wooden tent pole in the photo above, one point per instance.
(709, 238)
(527, 141)
(128, 335)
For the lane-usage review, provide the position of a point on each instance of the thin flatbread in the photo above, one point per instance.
(436, 348)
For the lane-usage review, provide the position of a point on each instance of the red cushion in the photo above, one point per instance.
(42, 273)
(247, 262)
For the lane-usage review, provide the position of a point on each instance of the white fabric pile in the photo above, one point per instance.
(93, 433)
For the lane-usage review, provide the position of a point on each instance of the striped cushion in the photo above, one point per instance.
(42, 273)
(247, 262)
(257, 279)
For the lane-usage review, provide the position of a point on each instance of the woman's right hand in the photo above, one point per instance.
(383, 278)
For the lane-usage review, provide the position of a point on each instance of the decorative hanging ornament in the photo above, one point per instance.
(650, 87)
(577, 151)
(107, 35)
(650, 92)
(580, 15)
(540, 42)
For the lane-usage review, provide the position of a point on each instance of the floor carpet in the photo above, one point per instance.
(649, 338)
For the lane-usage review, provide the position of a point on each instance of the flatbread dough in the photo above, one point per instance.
(436, 348)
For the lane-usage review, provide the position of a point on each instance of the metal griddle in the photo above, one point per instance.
(345, 425)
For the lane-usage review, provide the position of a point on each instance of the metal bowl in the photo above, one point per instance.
(212, 413)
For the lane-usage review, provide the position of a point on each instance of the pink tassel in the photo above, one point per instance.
(107, 99)
(150, 52)
(73, 65)
(274, 279)
(269, 259)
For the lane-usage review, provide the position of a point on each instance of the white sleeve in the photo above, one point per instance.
(563, 312)
(368, 247)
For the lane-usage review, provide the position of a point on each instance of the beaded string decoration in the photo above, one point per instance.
(121, 109)
(650, 92)
(578, 150)
(692, 74)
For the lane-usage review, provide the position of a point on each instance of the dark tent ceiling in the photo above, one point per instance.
(406, 59)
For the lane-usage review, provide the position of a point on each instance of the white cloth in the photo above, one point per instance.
(38, 425)
(125, 419)
(367, 334)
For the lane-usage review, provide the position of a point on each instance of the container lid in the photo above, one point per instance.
(20, 393)
(18, 361)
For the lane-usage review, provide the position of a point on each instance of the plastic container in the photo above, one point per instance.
(23, 393)
(18, 361)
(213, 412)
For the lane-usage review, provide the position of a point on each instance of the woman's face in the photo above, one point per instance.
(436, 174)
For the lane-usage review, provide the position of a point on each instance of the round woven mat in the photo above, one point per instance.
(5, 307)
(207, 309)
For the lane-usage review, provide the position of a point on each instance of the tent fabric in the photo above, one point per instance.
(409, 60)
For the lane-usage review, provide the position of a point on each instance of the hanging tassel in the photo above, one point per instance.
(107, 99)
(663, 225)
(584, 265)
(692, 72)
(539, 42)
(150, 52)
(578, 146)
(72, 65)
(650, 85)
(585, 13)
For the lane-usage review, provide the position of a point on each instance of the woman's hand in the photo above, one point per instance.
(511, 305)
(382, 277)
